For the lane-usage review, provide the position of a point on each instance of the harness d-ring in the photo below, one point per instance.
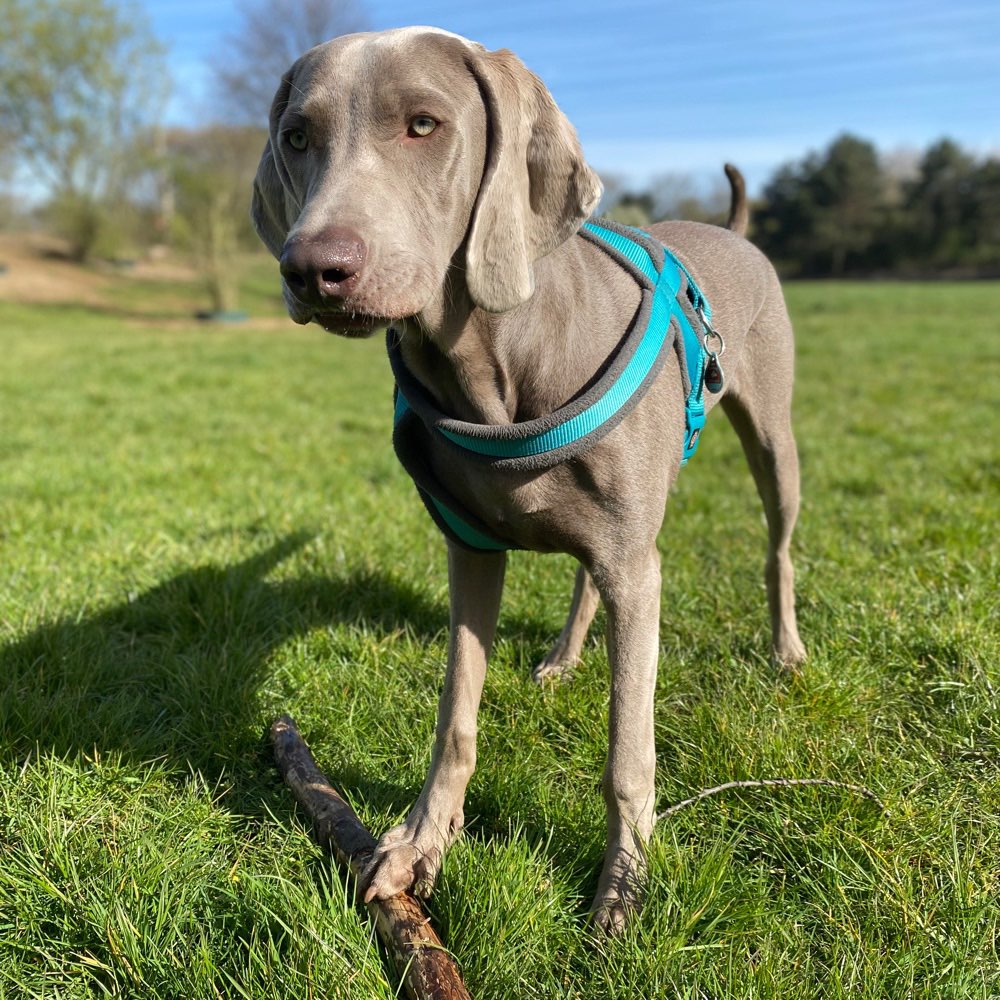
(714, 379)
(711, 332)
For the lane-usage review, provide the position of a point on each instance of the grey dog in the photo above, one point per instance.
(415, 179)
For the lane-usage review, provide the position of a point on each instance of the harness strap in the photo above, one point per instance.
(671, 302)
(410, 440)
(633, 247)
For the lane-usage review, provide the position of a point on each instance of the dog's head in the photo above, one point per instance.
(407, 166)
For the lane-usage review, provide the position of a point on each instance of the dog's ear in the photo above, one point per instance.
(536, 189)
(273, 209)
(268, 206)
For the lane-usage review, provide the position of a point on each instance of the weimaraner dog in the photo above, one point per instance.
(417, 181)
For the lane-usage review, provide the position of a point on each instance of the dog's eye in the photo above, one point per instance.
(297, 139)
(422, 125)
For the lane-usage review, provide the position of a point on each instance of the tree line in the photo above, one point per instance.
(842, 212)
(847, 211)
(83, 88)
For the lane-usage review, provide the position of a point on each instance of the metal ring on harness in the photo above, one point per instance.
(709, 333)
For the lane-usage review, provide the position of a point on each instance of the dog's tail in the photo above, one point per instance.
(739, 213)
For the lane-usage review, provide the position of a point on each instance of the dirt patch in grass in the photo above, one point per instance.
(162, 288)
(36, 270)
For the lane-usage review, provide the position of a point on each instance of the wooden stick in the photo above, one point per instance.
(424, 964)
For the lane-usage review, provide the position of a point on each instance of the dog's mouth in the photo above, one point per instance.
(339, 318)
(352, 324)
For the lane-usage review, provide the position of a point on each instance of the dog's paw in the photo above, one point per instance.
(612, 908)
(402, 860)
(789, 654)
(409, 856)
(555, 667)
(619, 891)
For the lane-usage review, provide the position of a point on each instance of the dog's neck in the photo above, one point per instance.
(497, 368)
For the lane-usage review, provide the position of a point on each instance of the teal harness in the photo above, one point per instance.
(671, 303)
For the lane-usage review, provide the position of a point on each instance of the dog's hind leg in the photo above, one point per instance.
(566, 652)
(759, 408)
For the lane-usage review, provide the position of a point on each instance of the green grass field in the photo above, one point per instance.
(201, 527)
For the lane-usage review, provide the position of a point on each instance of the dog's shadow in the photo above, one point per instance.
(177, 673)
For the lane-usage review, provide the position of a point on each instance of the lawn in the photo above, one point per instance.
(203, 526)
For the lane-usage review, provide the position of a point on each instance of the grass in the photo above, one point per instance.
(201, 527)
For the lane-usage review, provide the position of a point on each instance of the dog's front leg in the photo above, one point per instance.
(631, 593)
(411, 853)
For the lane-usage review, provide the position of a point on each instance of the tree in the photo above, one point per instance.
(848, 189)
(825, 213)
(8, 210)
(80, 81)
(941, 204)
(678, 195)
(669, 196)
(271, 36)
(633, 208)
(613, 186)
(986, 215)
(785, 219)
(212, 171)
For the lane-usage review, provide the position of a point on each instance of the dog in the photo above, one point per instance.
(417, 181)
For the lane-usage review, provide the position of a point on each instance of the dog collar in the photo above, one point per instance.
(671, 302)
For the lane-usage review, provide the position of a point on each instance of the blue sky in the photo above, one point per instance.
(681, 87)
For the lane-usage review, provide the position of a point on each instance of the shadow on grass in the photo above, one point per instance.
(177, 673)
(180, 674)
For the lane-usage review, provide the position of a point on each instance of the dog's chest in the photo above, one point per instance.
(613, 487)
(528, 509)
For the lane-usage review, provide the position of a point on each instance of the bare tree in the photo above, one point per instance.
(272, 34)
(614, 186)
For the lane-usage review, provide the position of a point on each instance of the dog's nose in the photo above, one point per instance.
(324, 266)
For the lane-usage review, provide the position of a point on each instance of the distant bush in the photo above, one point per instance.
(211, 171)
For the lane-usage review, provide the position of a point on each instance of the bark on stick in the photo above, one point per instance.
(424, 964)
